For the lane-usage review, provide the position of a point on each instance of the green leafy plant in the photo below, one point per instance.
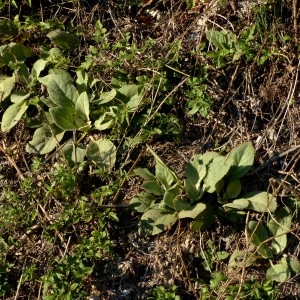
(166, 198)
(160, 293)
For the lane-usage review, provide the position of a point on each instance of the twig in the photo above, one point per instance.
(275, 158)
(12, 162)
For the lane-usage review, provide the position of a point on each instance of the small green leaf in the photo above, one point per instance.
(63, 39)
(106, 97)
(240, 259)
(279, 273)
(19, 96)
(38, 67)
(294, 264)
(258, 234)
(13, 53)
(13, 114)
(163, 173)
(106, 121)
(172, 195)
(103, 153)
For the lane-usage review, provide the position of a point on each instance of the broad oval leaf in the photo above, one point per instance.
(152, 187)
(154, 221)
(261, 201)
(279, 273)
(144, 173)
(74, 154)
(45, 139)
(6, 86)
(103, 153)
(106, 97)
(60, 88)
(63, 39)
(241, 159)
(142, 202)
(82, 106)
(279, 223)
(13, 114)
(64, 118)
(258, 235)
(233, 189)
(193, 212)
(240, 259)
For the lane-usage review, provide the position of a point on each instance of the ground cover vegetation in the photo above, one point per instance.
(149, 149)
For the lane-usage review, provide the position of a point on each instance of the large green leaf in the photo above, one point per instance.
(279, 273)
(82, 107)
(152, 187)
(195, 172)
(241, 159)
(105, 97)
(64, 118)
(142, 202)
(63, 39)
(279, 223)
(240, 259)
(45, 139)
(193, 212)
(74, 154)
(155, 221)
(103, 153)
(258, 201)
(60, 88)
(144, 173)
(13, 114)
(258, 235)
(216, 170)
(13, 52)
(6, 86)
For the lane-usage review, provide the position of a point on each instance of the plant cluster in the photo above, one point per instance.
(79, 100)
